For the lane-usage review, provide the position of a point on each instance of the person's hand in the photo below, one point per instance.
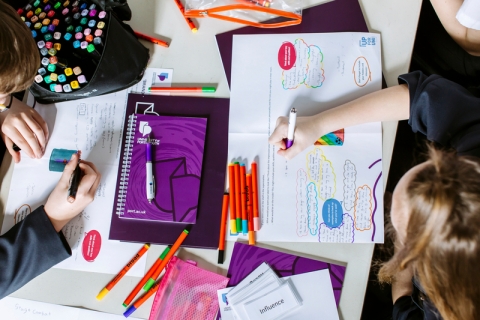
(307, 131)
(58, 209)
(23, 126)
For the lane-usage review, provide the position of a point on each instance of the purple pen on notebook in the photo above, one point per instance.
(150, 179)
(292, 119)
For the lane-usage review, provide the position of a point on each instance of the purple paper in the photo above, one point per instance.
(206, 231)
(177, 145)
(246, 258)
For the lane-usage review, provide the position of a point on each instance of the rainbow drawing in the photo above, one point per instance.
(335, 138)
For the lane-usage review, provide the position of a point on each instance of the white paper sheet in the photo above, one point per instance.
(315, 289)
(95, 127)
(328, 193)
(20, 309)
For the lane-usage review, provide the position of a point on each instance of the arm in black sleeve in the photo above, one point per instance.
(405, 309)
(27, 250)
(444, 111)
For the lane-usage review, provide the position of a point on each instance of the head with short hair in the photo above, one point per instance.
(442, 239)
(19, 58)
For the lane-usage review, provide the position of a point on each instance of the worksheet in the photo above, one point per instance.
(94, 126)
(333, 190)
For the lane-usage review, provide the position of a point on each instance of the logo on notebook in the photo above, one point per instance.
(163, 76)
(144, 128)
(224, 298)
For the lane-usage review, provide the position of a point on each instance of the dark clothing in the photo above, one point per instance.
(27, 250)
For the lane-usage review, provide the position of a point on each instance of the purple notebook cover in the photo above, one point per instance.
(335, 16)
(205, 232)
(246, 258)
(176, 149)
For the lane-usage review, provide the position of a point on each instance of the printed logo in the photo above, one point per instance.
(144, 128)
(163, 76)
(224, 298)
(369, 41)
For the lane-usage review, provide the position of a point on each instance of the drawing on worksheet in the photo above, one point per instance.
(333, 190)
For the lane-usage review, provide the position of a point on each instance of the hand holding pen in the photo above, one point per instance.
(58, 207)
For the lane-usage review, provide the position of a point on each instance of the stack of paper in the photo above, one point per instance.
(262, 295)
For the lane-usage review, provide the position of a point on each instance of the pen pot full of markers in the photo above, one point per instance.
(85, 48)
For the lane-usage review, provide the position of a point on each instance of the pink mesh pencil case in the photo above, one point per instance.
(187, 292)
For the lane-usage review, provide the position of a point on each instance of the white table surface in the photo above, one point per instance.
(195, 59)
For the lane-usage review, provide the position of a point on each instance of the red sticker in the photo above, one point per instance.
(287, 56)
(91, 245)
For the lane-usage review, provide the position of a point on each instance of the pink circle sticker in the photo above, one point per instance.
(287, 56)
(91, 245)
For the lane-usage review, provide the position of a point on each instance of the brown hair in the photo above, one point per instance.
(19, 57)
(443, 235)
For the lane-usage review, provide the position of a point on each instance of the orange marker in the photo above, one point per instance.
(238, 201)
(145, 278)
(243, 197)
(164, 262)
(251, 233)
(141, 300)
(125, 269)
(256, 216)
(151, 39)
(231, 184)
(188, 20)
(221, 242)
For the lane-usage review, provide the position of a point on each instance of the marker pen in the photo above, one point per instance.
(150, 179)
(42, 71)
(57, 36)
(57, 46)
(48, 37)
(292, 119)
(48, 45)
(53, 76)
(67, 88)
(92, 23)
(41, 16)
(52, 87)
(74, 182)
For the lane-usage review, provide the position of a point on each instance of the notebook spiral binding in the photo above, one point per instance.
(126, 162)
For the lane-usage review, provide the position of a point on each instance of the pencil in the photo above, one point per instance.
(231, 184)
(145, 278)
(151, 39)
(221, 241)
(183, 89)
(125, 269)
(256, 214)
(188, 20)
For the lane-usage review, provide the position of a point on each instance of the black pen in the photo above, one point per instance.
(74, 182)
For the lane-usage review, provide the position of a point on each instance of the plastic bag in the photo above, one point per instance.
(249, 12)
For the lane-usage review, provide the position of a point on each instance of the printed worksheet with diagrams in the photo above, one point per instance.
(333, 190)
(94, 126)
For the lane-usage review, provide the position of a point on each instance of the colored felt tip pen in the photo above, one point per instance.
(243, 198)
(141, 300)
(125, 269)
(189, 21)
(169, 255)
(146, 277)
(150, 179)
(256, 213)
(74, 182)
(292, 119)
(231, 184)
(251, 232)
(151, 39)
(183, 89)
(221, 242)
(238, 198)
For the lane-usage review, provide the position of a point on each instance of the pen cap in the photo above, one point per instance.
(291, 123)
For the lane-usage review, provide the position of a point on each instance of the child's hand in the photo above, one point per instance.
(307, 131)
(58, 209)
(23, 126)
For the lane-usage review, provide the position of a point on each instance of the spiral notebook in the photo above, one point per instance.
(176, 148)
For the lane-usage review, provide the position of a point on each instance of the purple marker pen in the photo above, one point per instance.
(150, 179)
(292, 119)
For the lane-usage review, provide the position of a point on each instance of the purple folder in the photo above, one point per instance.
(246, 258)
(206, 231)
(335, 16)
(176, 150)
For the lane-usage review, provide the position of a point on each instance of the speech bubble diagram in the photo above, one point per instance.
(287, 55)
(332, 213)
(91, 245)
(144, 128)
(361, 72)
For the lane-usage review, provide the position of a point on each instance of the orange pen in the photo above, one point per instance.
(251, 233)
(221, 242)
(151, 39)
(188, 20)
(243, 197)
(256, 215)
(238, 202)
(231, 184)
(125, 269)
(142, 299)
(145, 278)
(164, 262)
